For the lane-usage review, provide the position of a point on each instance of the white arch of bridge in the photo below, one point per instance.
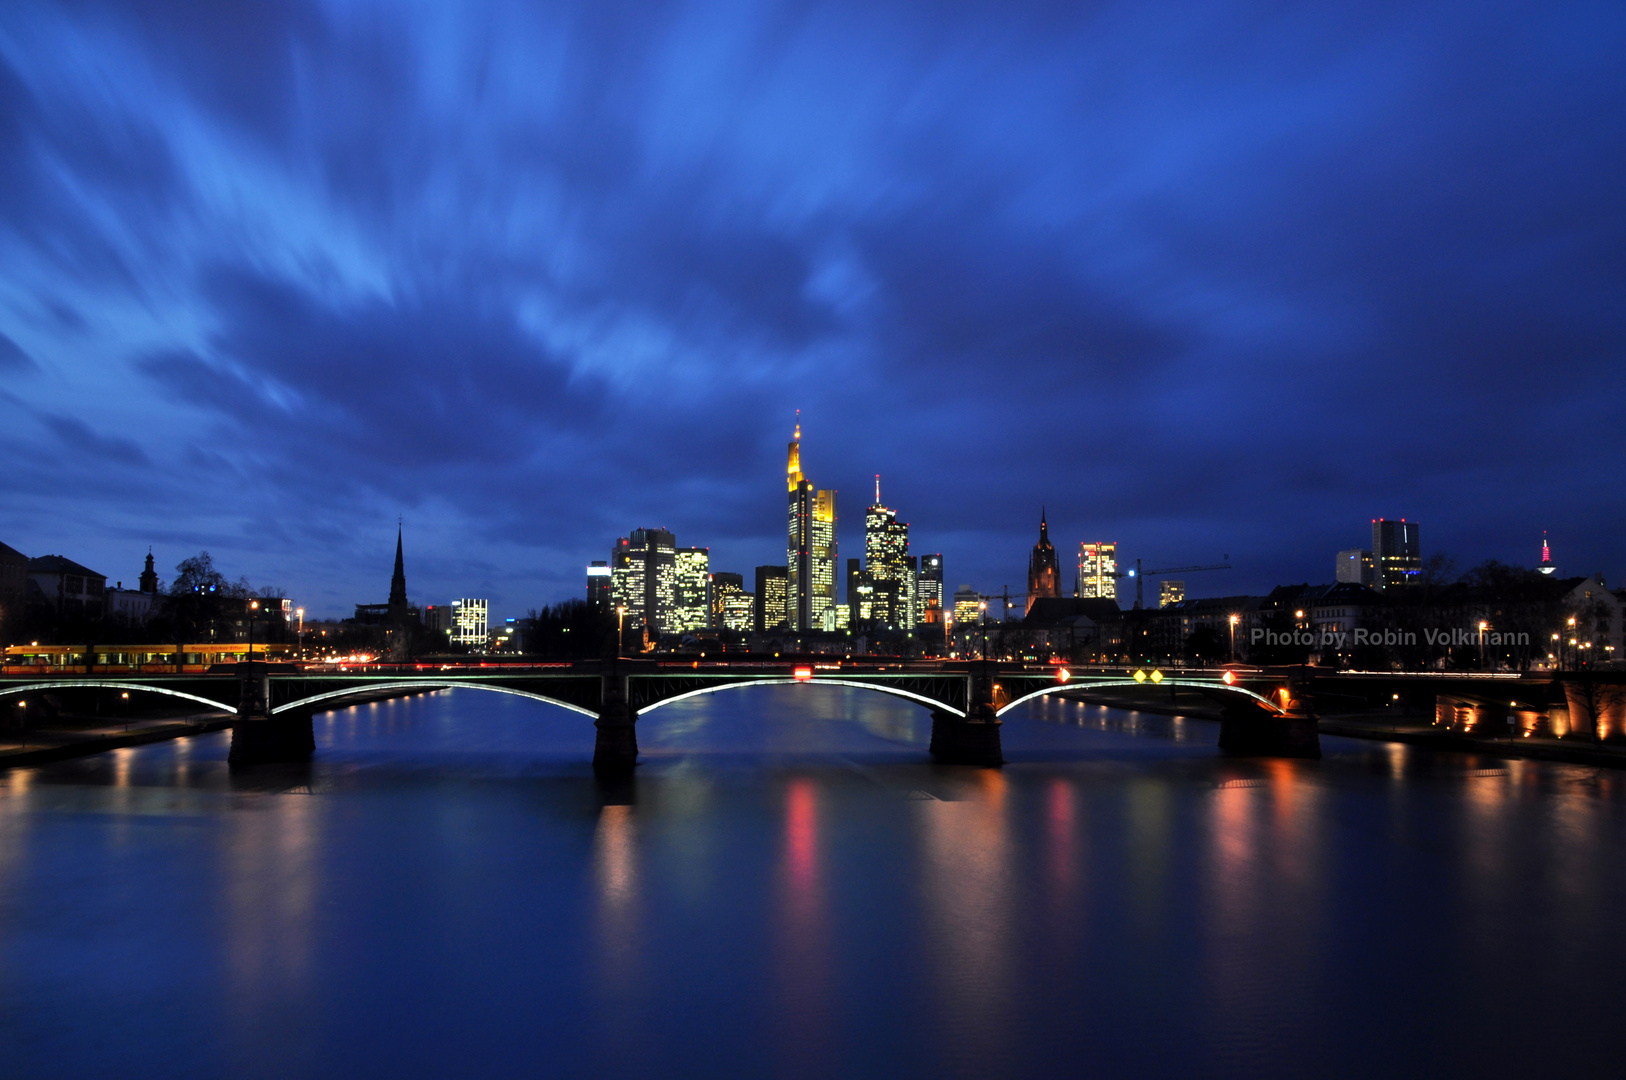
(1120, 684)
(921, 699)
(424, 684)
(8, 691)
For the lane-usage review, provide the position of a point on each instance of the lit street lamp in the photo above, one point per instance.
(1234, 620)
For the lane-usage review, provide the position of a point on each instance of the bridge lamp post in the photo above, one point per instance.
(1234, 620)
(620, 627)
(982, 607)
(253, 606)
(300, 635)
(1482, 627)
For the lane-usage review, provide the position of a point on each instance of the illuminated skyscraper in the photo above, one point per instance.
(771, 608)
(643, 580)
(731, 606)
(929, 583)
(886, 551)
(967, 606)
(1098, 570)
(1044, 577)
(810, 548)
(691, 567)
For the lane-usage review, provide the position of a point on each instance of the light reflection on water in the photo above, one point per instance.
(788, 886)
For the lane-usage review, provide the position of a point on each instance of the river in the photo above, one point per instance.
(789, 887)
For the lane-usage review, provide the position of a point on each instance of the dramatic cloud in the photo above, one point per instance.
(1204, 279)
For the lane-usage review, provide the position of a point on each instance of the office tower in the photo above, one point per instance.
(967, 606)
(691, 569)
(772, 609)
(732, 608)
(723, 584)
(886, 552)
(810, 549)
(1170, 592)
(437, 618)
(1397, 553)
(929, 583)
(1354, 567)
(598, 590)
(1044, 575)
(860, 596)
(911, 601)
(469, 623)
(1098, 570)
(643, 581)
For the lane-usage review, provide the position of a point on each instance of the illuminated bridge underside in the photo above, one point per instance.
(226, 689)
(946, 693)
(1051, 686)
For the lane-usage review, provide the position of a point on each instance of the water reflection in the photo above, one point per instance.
(802, 940)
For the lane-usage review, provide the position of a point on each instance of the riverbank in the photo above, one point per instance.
(1427, 735)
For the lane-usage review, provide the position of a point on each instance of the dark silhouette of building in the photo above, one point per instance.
(396, 611)
(598, 591)
(1397, 553)
(1044, 578)
(149, 577)
(69, 590)
(13, 591)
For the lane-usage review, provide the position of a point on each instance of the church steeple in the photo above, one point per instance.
(398, 594)
(149, 576)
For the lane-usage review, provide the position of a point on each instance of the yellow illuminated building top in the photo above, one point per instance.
(793, 464)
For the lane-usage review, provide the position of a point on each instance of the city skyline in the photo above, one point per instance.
(524, 318)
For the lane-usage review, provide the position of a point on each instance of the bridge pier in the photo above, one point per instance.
(615, 749)
(1249, 731)
(972, 739)
(257, 736)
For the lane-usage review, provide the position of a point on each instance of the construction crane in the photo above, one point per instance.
(1138, 574)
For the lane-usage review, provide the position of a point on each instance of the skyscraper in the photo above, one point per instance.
(860, 595)
(886, 551)
(731, 606)
(1397, 553)
(643, 580)
(771, 607)
(1044, 576)
(929, 585)
(598, 590)
(691, 569)
(469, 623)
(810, 549)
(1098, 570)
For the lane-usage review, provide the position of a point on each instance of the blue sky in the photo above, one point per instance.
(1204, 279)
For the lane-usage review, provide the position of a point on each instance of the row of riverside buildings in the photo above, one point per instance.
(58, 586)
(652, 588)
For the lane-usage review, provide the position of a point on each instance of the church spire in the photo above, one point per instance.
(398, 594)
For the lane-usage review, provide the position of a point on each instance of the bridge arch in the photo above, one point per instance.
(1120, 684)
(919, 699)
(422, 684)
(76, 684)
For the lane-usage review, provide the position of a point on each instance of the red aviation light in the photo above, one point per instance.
(803, 674)
(1062, 674)
(1229, 678)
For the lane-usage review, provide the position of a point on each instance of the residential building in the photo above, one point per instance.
(1097, 571)
(1170, 592)
(771, 612)
(1397, 553)
(13, 591)
(69, 590)
(1044, 576)
(810, 548)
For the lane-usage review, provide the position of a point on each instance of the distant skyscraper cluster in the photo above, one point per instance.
(655, 588)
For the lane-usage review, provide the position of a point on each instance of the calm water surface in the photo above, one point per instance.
(447, 891)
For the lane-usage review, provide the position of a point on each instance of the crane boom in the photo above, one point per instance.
(1140, 590)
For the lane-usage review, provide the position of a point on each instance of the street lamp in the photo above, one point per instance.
(300, 635)
(1234, 620)
(982, 607)
(620, 627)
(253, 606)
(1482, 626)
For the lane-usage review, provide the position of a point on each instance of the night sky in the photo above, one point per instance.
(1200, 278)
